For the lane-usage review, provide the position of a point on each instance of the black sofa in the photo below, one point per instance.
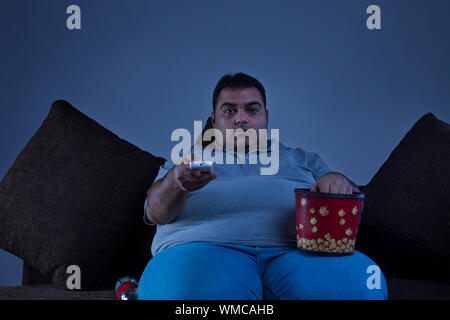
(98, 222)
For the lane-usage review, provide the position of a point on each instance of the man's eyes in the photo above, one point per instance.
(229, 110)
(251, 110)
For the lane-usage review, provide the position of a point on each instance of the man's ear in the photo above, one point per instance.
(267, 115)
(212, 117)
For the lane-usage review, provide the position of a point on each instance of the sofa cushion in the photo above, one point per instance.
(130, 260)
(406, 217)
(73, 196)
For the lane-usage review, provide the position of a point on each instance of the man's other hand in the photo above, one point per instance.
(334, 182)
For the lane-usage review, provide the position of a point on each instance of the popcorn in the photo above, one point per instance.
(343, 245)
(323, 211)
(330, 224)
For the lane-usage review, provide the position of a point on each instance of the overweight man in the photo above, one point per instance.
(230, 233)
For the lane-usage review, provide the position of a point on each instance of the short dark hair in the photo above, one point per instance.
(237, 81)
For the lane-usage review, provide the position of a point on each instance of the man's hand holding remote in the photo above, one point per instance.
(167, 196)
(192, 179)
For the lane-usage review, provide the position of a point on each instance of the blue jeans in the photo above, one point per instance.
(218, 271)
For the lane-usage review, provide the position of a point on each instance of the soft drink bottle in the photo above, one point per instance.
(126, 288)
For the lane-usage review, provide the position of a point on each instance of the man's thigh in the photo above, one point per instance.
(203, 271)
(296, 276)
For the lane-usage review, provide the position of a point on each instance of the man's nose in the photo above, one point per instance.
(241, 117)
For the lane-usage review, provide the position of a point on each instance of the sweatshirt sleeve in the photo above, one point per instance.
(317, 166)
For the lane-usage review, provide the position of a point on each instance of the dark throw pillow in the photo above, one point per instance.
(406, 219)
(74, 196)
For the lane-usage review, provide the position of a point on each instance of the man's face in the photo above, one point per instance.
(240, 108)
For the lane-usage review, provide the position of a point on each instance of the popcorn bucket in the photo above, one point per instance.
(327, 223)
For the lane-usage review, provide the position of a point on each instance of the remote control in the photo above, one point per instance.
(203, 166)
